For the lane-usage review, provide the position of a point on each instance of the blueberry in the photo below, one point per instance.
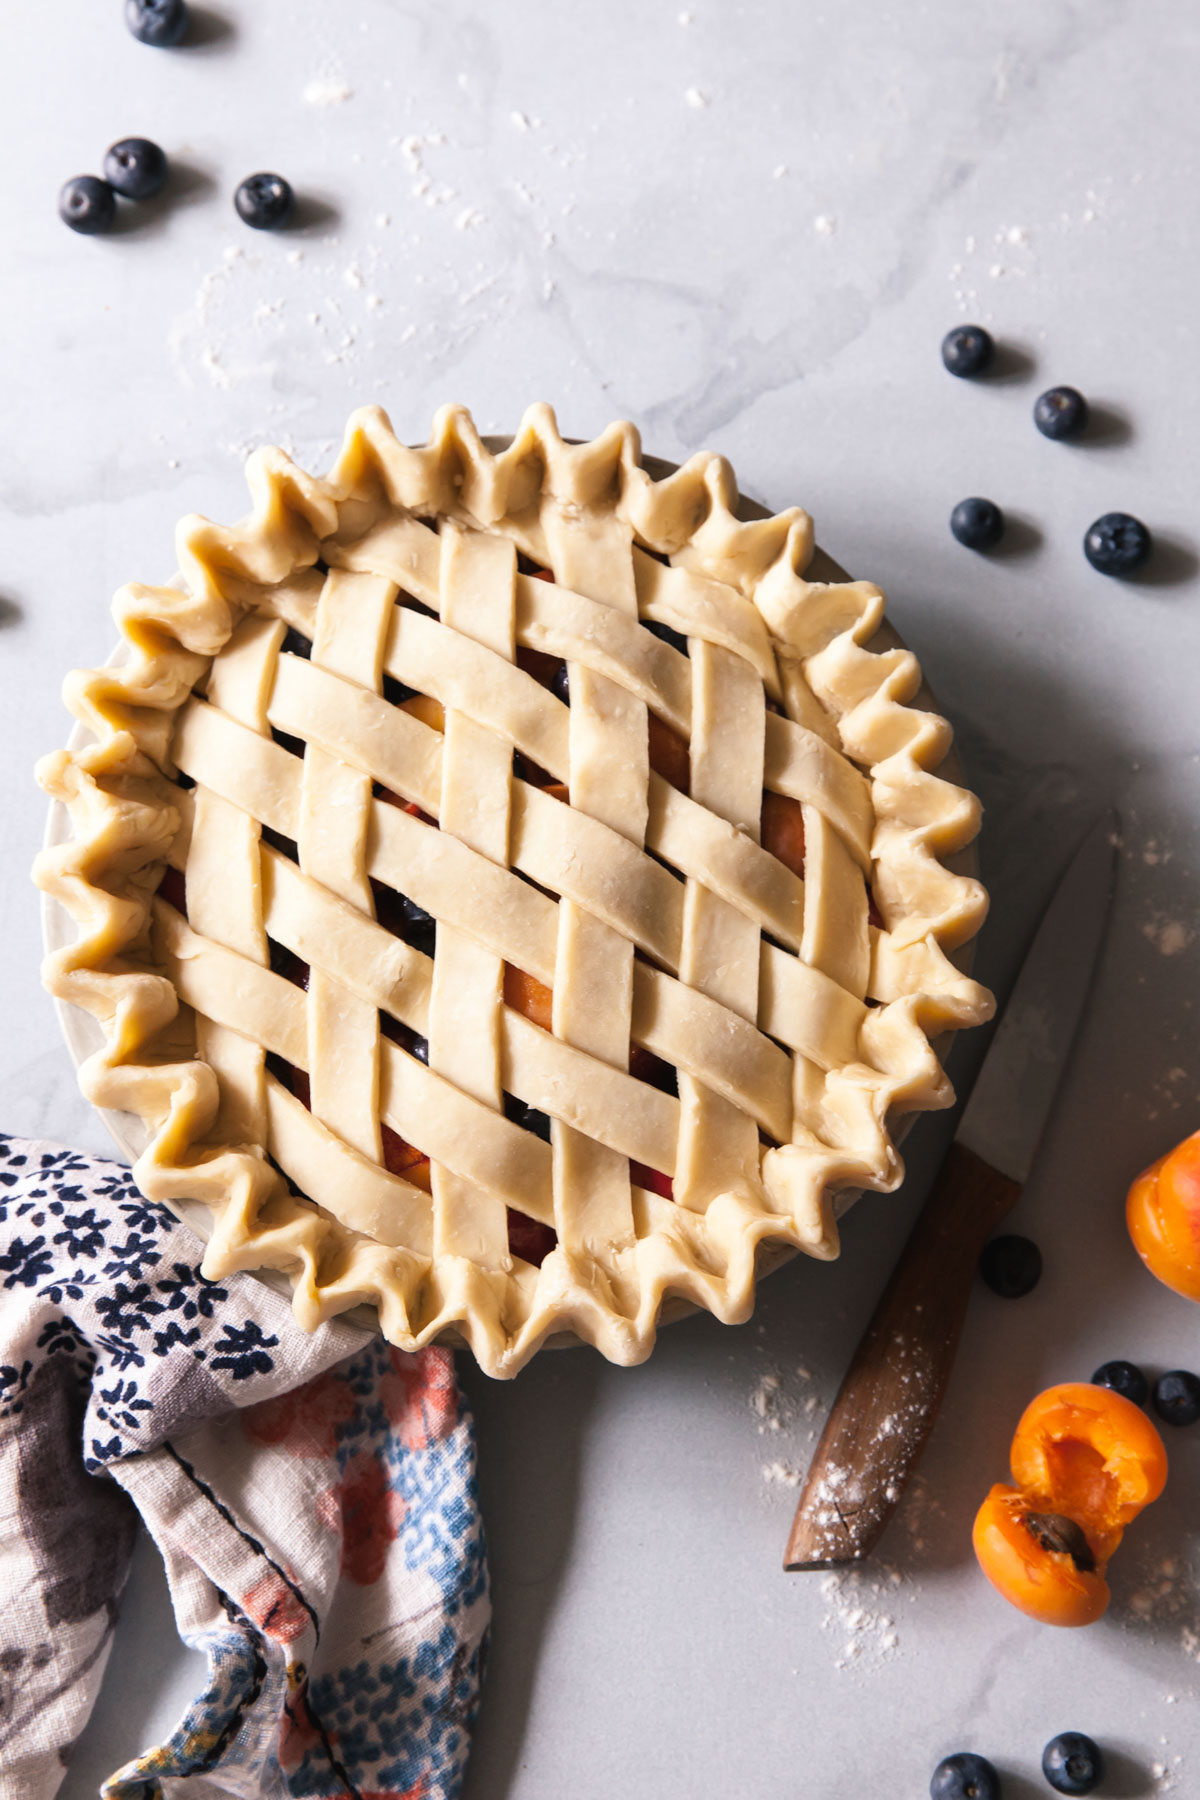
(964, 1776)
(1011, 1266)
(1060, 412)
(136, 168)
(1072, 1763)
(160, 23)
(1116, 544)
(87, 204)
(562, 684)
(668, 634)
(968, 350)
(1123, 1378)
(264, 201)
(977, 523)
(1177, 1397)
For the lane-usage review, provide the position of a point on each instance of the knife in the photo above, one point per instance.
(889, 1399)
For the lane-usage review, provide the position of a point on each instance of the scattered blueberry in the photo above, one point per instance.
(160, 23)
(562, 684)
(1177, 1397)
(87, 204)
(1072, 1763)
(136, 168)
(1060, 413)
(1011, 1266)
(968, 350)
(264, 201)
(964, 1776)
(1123, 1378)
(1117, 544)
(979, 524)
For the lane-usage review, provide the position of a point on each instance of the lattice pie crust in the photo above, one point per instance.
(362, 686)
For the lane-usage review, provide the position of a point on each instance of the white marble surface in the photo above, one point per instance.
(745, 226)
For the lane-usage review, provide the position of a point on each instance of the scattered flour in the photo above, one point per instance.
(698, 98)
(768, 1404)
(1170, 937)
(825, 224)
(866, 1630)
(327, 90)
(782, 1473)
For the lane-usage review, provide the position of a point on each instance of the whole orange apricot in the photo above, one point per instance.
(1163, 1216)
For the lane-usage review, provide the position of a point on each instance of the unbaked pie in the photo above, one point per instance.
(509, 889)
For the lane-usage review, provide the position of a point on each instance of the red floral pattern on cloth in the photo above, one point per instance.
(304, 1421)
(371, 1514)
(420, 1396)
(274, 1605)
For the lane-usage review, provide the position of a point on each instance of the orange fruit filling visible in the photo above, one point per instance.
(783, 830)
(668, 754)
(1162, 1213)
(1085, 1461)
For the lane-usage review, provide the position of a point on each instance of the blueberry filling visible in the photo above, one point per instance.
(293, 745)
(414, 605)
(404, 918)
(527, 1117)
(285, 962)
(668, 635)
(287, 1075)
(525, 769)
(395, 691)
(286, 846)
(296, 644)
(405, 1036)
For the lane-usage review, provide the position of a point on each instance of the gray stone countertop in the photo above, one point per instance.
(745, 226)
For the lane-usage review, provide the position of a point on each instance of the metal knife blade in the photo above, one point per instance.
(1013, 1094)
(890, 1395)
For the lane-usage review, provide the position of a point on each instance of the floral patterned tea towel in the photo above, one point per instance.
(313, 1498)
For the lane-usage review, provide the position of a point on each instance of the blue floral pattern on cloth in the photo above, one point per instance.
(314, 1498)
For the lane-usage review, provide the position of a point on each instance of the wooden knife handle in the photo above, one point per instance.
(890, 1397)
